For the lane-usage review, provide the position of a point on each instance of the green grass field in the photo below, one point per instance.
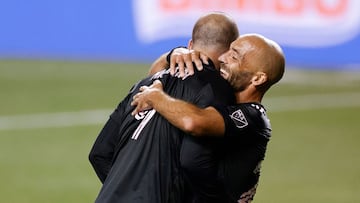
(314, 154)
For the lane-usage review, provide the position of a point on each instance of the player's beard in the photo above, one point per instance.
(240, 80)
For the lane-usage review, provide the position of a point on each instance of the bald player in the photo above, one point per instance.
(252, 65)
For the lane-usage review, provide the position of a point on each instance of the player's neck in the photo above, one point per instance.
(248, 95)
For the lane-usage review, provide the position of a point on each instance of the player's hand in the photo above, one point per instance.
(184, 59)
(145, 98)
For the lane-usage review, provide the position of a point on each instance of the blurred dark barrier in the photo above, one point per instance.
(319, 33)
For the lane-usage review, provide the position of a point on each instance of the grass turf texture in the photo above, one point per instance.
(313, 156)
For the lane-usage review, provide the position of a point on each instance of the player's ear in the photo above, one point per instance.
(259, 78)
(190, 44)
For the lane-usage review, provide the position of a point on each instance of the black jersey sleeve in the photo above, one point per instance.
(247, 121)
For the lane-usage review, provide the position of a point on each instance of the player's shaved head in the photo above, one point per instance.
(252, 65)
(263, 55)
(215, 30)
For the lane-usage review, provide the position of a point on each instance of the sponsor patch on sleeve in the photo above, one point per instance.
(239, 119)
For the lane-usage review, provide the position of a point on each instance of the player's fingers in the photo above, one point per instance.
(135, 100)
(204, 58)
(188, 65)
(157, 84)
(196, 59)
(135, 111)
(143, 88)
(141, 106)
(181, 66)
(133, 103)
(138, 105)
(172, 64)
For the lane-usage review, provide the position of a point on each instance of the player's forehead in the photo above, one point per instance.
(242, 45)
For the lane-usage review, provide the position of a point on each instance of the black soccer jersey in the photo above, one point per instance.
(145, 159)
(247, 132)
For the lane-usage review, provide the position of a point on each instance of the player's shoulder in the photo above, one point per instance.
(255, 108)
(249, 109)
(252, 112)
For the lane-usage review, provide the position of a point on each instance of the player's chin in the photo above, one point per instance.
(224, 74)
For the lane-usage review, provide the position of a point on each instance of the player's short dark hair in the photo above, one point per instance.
(215, 29)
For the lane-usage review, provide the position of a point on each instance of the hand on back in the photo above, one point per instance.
(184, 59)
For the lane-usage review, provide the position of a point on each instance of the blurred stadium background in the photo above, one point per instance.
(65, 65)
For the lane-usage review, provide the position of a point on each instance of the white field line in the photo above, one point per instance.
(95, 117)
(50, 120)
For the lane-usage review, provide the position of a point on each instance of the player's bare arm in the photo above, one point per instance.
(186, 116)
(159, 64)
